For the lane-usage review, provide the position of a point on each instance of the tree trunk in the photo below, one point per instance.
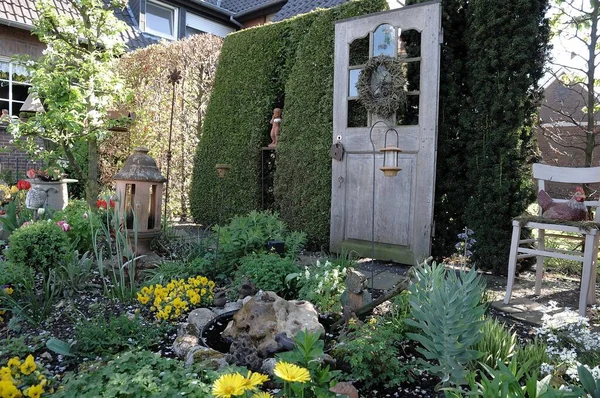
(591, 100)
(91, 185)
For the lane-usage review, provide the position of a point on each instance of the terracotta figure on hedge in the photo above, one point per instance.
(275, 121)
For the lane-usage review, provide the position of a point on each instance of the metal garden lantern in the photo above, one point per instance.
(139, 192)
(388, 171)
(393, 152)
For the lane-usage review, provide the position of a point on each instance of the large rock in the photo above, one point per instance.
(182, 345)
(198, 318)
(266, 315)
(207, 357)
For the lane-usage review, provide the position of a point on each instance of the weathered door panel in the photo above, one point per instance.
(403, 215)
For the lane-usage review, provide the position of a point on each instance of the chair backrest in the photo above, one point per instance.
(568, 175)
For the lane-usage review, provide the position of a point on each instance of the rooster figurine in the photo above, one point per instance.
(573, 210)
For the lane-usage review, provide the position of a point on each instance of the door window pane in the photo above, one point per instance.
(383, 40)
(359, 51)
(409, 44)
(353, 80)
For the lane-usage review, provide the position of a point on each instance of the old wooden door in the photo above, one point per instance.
(403, 205)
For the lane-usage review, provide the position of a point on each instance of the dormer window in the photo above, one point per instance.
(161, 20)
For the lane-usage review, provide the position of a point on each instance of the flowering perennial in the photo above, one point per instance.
(177, 297)
(21, 379)
(568, 336)
(235, 384)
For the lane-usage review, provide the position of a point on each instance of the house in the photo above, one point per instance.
(561, 131)
(147, 20)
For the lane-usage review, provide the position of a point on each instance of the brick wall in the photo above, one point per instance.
(14, 163)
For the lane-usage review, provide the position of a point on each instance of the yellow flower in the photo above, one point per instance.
(228, 385)
(14, 363)
(291, 372)
(34, 391)
(14, 189)
(28, 366)
(8, 390)
(253, 380)
(262, 394)
(9, 290)
(5, 374)
(143, 298)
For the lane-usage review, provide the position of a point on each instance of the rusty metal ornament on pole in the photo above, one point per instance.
(174, 78)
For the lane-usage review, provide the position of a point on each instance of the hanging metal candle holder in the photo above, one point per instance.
(390, 151)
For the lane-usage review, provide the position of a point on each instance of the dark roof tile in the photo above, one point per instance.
(24, 12)
(296, 7)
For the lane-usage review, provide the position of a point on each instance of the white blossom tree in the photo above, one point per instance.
(77, 80)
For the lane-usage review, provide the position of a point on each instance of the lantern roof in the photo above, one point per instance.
(140, 166)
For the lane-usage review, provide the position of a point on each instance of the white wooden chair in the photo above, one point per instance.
(589, 233)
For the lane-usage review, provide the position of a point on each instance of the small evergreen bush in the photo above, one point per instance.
(41, 246)
(249, 234)
(267, 271)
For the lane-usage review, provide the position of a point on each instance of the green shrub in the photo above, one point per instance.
(266, 271)
(497, 345)
(447, 310)
(137, 374)
(249, 234)
(322, 284)
(76, 214)
(371, 350)
(101, 336)
(41, 246)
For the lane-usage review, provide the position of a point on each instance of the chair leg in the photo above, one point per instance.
(512, 260)
(591, 299)
(539, 266)
(586, 276)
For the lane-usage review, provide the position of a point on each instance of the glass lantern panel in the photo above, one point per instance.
(383, 40)
(352, 81)
(129, 205)
(409, 44)
(152, 208)
(359, 51)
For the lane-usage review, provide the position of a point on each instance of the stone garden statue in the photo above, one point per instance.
(275, 121)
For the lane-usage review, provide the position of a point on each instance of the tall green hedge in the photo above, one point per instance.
(504, 70)
(488, 93)
(245, 90)
(289, 63)
(303, 173)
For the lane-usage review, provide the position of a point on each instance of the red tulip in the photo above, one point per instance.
(23, 185)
